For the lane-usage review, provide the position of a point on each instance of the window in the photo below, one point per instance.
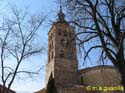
(62, 42)
(61, 54)
(59, 31)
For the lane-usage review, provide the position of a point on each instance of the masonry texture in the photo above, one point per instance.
(62, 74)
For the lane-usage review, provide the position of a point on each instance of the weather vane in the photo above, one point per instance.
(60, 1)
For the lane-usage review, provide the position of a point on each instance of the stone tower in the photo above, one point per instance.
(62, 59)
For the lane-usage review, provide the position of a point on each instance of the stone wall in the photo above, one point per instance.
(100, 76)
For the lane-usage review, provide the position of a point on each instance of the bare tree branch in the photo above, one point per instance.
(104, 18)
(18, 42)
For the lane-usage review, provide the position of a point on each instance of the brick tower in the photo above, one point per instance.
(62, 59)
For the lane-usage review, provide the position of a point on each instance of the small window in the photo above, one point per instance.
(59, 31)
(62, 42)
(61, 54)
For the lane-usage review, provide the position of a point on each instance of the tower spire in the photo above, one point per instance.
(61, 16)
(60, 4)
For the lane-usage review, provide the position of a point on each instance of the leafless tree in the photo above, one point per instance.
(18, 41)
(103, 22)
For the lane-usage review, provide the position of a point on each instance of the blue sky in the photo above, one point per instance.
(50, 8)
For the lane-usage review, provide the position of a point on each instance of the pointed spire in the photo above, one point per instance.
(61, 16)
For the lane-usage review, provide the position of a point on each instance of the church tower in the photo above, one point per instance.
(62, 59)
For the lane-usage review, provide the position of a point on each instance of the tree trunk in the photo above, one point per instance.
(121, 69)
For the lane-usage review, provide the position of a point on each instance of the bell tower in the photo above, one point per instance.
(62, 59)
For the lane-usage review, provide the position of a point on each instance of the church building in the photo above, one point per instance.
(62, 74)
